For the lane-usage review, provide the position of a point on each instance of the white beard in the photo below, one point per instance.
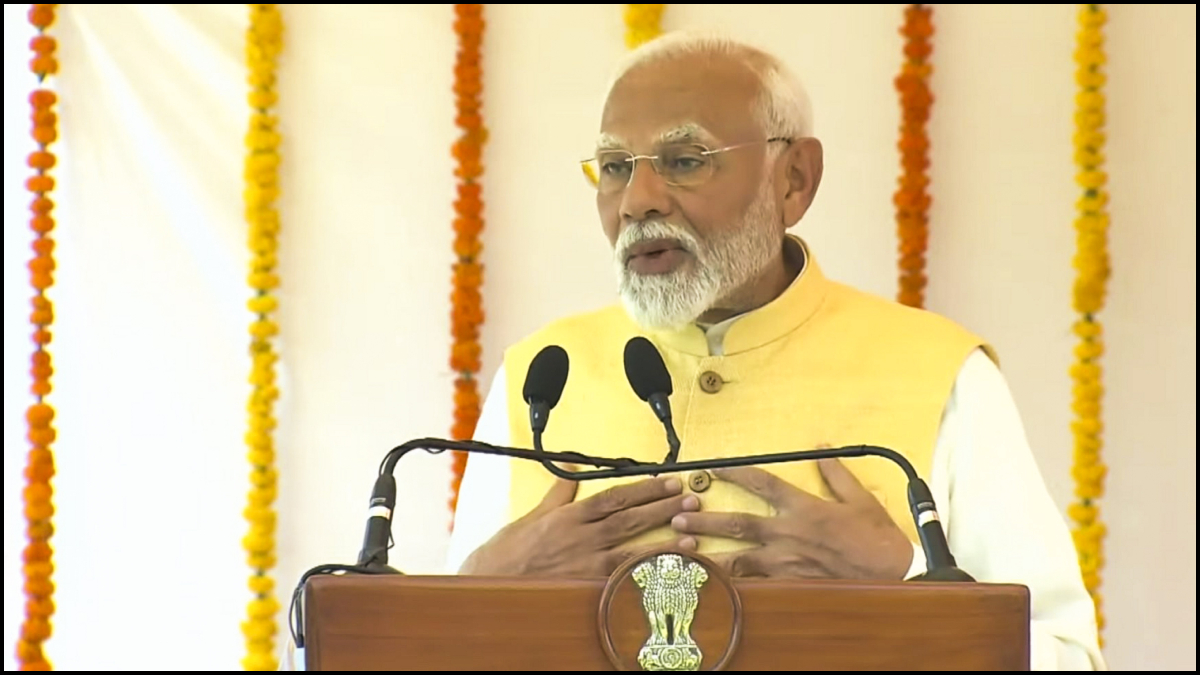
(717, 268)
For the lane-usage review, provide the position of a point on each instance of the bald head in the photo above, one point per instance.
(782, 105)
(702, 98)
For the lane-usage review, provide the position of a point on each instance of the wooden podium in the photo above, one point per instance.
(398, 622)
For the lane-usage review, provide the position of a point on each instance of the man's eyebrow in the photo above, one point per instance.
(685, 133)
(609, 142)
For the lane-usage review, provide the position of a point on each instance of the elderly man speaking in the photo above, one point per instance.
(706, 157)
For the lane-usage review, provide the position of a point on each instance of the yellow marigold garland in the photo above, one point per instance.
(39, 468)
(642, 23)
(466, 313)
(1092, 267)
(264, 42)
(912, 199)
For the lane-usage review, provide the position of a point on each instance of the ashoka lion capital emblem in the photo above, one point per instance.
(670, 593)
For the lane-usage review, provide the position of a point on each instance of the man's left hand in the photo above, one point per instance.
(851, 537)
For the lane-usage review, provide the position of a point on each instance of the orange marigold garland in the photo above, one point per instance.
(1092, 265)
(264, 42)
(466, 315)
(39, 469)
(912, 199)
(642, 24)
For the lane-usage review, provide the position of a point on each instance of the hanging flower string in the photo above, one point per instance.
(642, 24)
(466, 314)
(39, 469)
(1092, 271)
(264, 42)
(912, 199)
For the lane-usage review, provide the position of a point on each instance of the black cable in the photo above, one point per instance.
(437, 446)
(296, 607)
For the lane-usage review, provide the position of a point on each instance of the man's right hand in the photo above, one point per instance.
(562, 537)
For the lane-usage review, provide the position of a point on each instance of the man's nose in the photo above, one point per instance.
(646, 195)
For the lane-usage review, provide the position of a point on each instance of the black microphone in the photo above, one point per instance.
(647, 374)
(544, 384)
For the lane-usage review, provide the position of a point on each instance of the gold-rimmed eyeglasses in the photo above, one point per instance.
(679, 164)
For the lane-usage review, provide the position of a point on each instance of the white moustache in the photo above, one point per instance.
(654, 229)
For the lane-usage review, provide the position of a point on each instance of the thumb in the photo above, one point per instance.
(559, 494)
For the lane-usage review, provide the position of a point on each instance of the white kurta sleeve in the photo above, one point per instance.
(1001, 523)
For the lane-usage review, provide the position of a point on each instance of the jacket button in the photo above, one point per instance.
(711, 382)
(699, 481)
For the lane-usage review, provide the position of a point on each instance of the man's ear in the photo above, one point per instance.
(803, 164)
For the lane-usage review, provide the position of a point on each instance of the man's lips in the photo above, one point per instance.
(652, 248)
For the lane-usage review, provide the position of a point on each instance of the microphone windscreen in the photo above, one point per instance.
(547, 376)
(645, 370)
